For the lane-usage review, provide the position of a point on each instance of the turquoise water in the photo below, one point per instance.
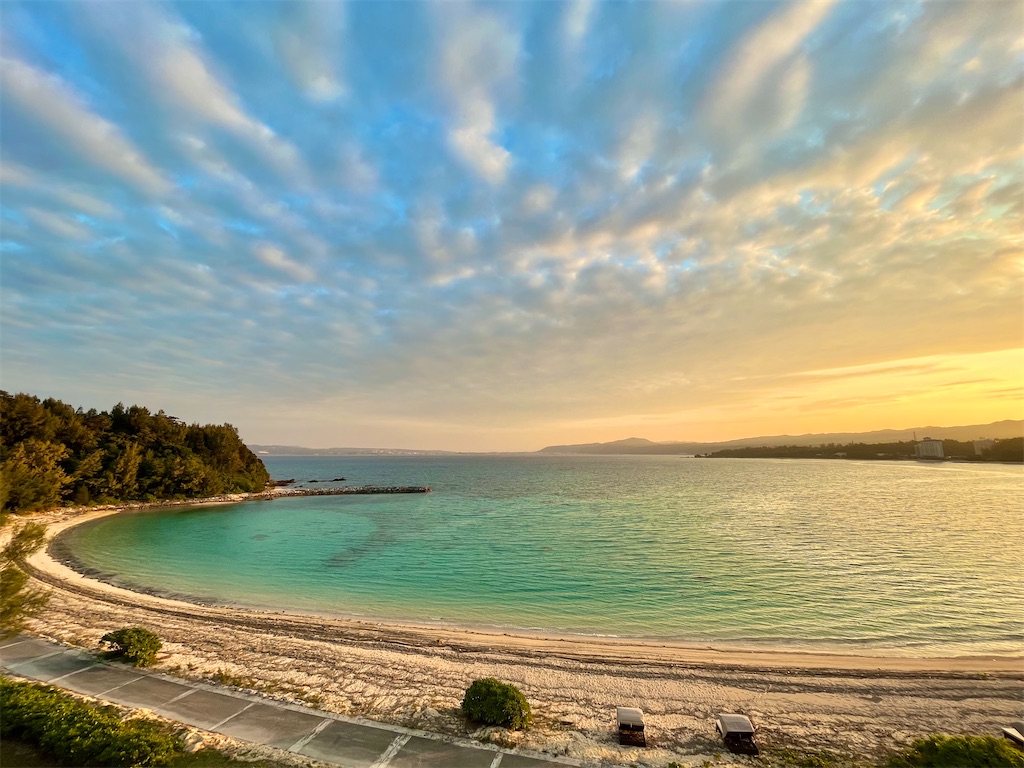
(869, 557)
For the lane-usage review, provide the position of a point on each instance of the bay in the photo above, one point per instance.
(895, 558)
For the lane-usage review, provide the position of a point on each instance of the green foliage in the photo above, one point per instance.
(493, 702)
(52, 454)
(223, 677)
(860, 451)
(26, 540)
(941, 751)
(1010, 450)
(1006, 450)
(77, 733)
(32, 476)
(134, 644)
(17, 602)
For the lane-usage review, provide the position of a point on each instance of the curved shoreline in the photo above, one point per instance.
(58, 570)
(415, 676)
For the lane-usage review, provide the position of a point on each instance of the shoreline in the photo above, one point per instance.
(414, 675)
(598, 647)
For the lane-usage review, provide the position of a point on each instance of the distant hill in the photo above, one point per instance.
(629, 445)
(997, 430)
(295, 450)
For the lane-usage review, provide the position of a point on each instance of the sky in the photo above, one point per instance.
(499, 226)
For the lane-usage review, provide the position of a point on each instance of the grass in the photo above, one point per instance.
(223, 677)
(24, 755)
(942, 751)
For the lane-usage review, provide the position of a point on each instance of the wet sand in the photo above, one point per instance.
(416, 675)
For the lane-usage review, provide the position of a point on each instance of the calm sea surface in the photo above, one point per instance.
(897, 558)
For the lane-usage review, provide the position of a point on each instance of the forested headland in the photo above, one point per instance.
(53, 454)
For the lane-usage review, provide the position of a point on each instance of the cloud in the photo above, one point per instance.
(62, 226)
(471, 140)
(576, 21)
(638, 146)
(274, 257)
(308, 40)
(503, 221)
(756, 62)
(51, 102)
(17, 176)
(167, 51)
(478, 55)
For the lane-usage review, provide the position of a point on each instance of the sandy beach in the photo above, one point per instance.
(416, 675)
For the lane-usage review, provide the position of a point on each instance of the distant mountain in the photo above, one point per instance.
(629, 445)
(295, 450)
(997, 430)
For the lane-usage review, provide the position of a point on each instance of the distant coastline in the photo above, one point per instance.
(1007, 428)
(998, 430)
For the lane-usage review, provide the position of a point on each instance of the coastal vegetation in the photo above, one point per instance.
(78, 733)
(45, 726)
(964, 435)
(19, 602)
(1007, 450)
(493, 702)
(136, 645)
(52, 454)
(942, 751)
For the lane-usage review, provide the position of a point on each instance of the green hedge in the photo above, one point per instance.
(940, 751)
(134, 644)
(493, 702)
(82, 734)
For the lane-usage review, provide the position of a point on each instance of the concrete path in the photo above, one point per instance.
(334, 739)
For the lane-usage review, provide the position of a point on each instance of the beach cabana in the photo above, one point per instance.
(1015, 733)
(631, 726)
(737, 732)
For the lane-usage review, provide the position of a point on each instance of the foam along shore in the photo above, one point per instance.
(415, 675)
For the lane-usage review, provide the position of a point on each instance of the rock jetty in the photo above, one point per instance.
(349, 489)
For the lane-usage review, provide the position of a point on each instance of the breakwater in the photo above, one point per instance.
(347, 489)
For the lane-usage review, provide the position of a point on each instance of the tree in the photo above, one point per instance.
(136, 644)
(32, 477)
(493, 702)
(52, 454)
(18, 603)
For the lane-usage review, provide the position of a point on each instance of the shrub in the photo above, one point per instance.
(493, 702)
(135, 644)
(78, 733)
(940, 751)
(141, 742)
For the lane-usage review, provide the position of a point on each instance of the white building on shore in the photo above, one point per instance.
(982, 445)
(929, 449)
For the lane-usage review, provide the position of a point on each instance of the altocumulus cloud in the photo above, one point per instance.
(498, 225)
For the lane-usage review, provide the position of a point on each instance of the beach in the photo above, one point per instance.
(415, 676)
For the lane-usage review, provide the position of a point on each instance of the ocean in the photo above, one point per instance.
(883, 558)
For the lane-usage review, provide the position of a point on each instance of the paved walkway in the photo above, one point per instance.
(322, 736)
